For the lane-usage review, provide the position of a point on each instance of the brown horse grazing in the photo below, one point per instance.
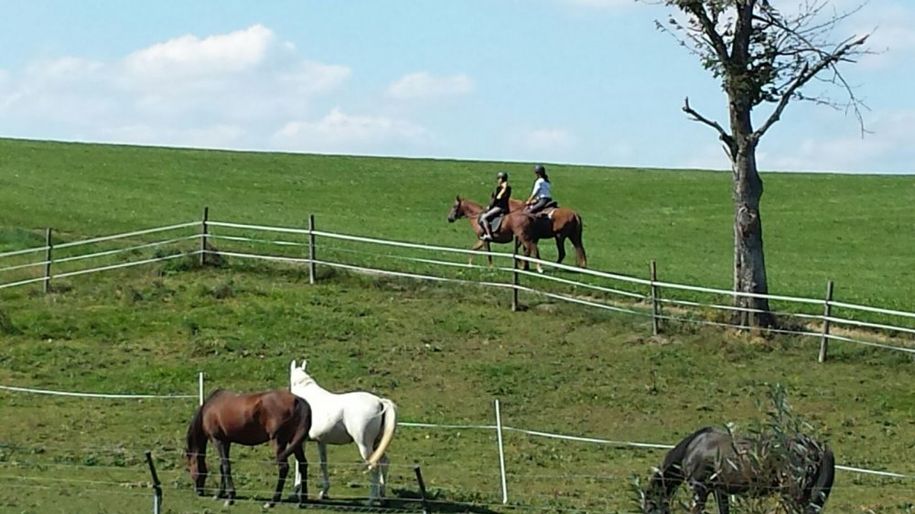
(249, 419)
(713, 462)
(563, 224)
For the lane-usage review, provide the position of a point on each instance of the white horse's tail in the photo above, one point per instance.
(389, 419)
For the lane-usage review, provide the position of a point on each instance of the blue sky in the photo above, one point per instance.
(571, 81)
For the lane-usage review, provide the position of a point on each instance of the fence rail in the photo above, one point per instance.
(435, 426)
(612, 291)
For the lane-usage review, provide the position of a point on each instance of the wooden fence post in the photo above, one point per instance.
(204, 233)
(827, 312)
(311, 249)
(47, 258)
(655, 321)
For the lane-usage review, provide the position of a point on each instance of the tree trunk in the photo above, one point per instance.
(749, 260)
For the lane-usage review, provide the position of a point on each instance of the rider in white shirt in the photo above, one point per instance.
(542, 193)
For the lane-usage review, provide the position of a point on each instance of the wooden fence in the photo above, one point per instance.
(658, 301)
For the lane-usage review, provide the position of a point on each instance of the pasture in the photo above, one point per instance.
(442, 352)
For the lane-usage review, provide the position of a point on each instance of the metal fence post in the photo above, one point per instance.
(827, 312)
(515, 277)
(157, 486)
(204, 234)
(655, 321)
(311, 248)
(422, 489)
(47, 258)
(501, 453)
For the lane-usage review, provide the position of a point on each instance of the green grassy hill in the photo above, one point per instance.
(442, 352)
(854, 230)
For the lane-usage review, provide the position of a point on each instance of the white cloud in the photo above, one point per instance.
(338, 131)
(547, 139)
(892, 41)
(216, 136)
(182, 91)
(424, 85)
(189, 55)
(892, 140)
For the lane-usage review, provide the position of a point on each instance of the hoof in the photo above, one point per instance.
(268, 505)
(323, 495)
(229, 502)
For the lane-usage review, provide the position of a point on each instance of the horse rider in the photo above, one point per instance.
(542, 194)
(498, 205)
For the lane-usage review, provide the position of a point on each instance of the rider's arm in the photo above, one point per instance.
(534, 191)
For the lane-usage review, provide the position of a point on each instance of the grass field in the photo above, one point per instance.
(443, 353)
(854, 230)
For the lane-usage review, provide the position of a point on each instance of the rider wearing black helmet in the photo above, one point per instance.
(498, 205)
(542, 194)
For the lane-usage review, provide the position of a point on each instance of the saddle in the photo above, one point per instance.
(495, 224)
(547, 210)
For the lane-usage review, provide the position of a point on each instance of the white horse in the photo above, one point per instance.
(358, 417)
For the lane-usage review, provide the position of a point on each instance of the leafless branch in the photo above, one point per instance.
(722, 134)
(808, 72)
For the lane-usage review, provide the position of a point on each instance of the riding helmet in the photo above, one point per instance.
(539, 169)
(502, 175)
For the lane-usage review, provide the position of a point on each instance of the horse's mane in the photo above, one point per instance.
(670, 474)
(671, 467)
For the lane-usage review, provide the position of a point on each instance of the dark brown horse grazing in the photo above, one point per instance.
(715, 463)
(563, 224)
(249, 419)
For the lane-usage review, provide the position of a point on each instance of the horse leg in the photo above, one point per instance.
(523, 263)
(226, 486)
(325, 481)
(700, 496)
(575, 238)
(302, 465)
(721, 498)
(561, 247)
(382, 474)
(279, 446)
(488, 252)
(476, 247)
(531, 249)
(365, 450)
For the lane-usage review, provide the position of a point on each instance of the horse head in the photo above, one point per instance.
(457, 210)
(298, 377)
(655, 498)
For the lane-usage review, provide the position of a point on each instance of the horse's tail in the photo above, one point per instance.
(822, 483)
(389, 420)
(577, 242)
(303, 410)
(196, 438)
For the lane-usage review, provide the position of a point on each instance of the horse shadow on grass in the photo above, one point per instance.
(403, 500)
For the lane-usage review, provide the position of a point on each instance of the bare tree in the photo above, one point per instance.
(762, 55)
